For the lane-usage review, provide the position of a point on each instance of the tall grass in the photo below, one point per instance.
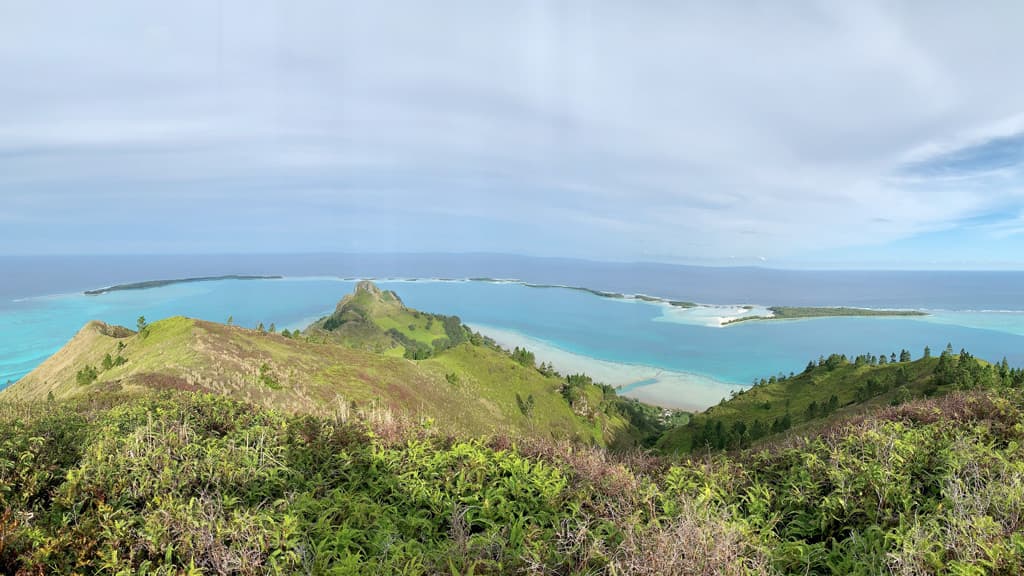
(181, 482)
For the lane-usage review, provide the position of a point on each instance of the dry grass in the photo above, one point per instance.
(701, 541)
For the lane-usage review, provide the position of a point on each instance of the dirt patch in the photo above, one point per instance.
(159, 381)
(111, 330)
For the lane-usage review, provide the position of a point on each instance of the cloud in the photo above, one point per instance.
(680, 130)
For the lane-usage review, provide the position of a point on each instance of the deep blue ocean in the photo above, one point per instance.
(42, 306)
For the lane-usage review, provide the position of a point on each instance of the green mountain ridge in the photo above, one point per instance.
(828, 391)
(382, 441)
(371, 354)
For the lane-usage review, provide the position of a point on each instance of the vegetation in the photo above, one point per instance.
(200, 448)
(175, 482)
(524, 356)
(160, 283)
(87, 375)
(832, 388)
(794, 312)
(474, 387)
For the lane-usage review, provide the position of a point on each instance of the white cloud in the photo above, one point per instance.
(680, 129)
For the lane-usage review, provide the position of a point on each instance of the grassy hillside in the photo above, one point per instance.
(377, 320)
(196, 448)
(830, 389)
(178, 482)
(469, 387)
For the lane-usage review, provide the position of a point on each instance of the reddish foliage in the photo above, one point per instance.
(159, 381)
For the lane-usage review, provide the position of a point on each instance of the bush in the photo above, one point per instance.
(87, 375)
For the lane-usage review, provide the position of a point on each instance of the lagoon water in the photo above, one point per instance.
(659, 353)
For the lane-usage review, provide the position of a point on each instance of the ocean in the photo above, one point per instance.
(657, 352)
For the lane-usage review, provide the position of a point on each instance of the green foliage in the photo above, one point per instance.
(182, 482)
(573, 386)
(827, 388)
(795, 312)
(87, 375)
(141, 326)
(890, 494)
(414, 349)
(454, 329)
(526, 405)
(204, 483)
(112, 361)
(333, 322)
(524, 357)
(266, 377)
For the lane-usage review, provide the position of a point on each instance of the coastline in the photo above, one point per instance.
(809, 312)
(161, 283)
(659, 386)
(712, 315)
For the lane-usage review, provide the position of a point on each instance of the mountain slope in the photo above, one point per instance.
(831, 390)
(470, 387)
(187, 483)
(373, 319)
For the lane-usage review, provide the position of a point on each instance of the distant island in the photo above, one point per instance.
(602, 293)
(159, 283)
(795, 312)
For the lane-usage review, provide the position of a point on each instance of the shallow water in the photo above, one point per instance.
(643, 337)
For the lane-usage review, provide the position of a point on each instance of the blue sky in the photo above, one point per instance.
(819, 134)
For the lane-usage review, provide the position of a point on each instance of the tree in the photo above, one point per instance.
(231, 320)
(86, 375)
(286, 333)
(525, 406)
(142, 326)
(273, 328)
(523, 357)
(453, 329)
(261, 328)
(905, 355)
(833, 404)
(757, 430)
(927, 352)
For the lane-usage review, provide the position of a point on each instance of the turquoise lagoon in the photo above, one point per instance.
(673, 356)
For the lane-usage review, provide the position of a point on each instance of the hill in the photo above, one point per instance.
(181, 482)
(830, 390)
(189, 447)
(356, 360)
(377, 320)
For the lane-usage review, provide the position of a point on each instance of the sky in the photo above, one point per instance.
(869, 134)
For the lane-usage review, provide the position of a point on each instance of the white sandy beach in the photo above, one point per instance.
(709, 315)
(666, 388)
